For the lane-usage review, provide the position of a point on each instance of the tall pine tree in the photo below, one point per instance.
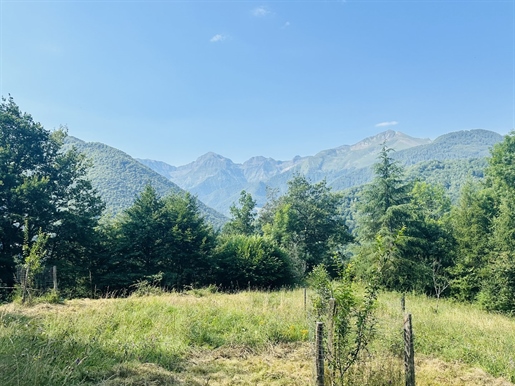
(389, 231)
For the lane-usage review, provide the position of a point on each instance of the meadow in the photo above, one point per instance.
(202, 337)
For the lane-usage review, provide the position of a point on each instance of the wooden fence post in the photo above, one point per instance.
(25, 285)
(319, 347)
(409, 352)
(330, 338)
(403, 302)
(54, 277)
(305, 300)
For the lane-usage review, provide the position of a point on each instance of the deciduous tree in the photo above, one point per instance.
(243, 217)
(44, 187)
(308, 222)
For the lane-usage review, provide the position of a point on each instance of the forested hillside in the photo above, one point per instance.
(451, 174)
(119, 178)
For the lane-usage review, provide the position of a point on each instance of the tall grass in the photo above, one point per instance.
(455, 332)
(82, 341)
(249, 338)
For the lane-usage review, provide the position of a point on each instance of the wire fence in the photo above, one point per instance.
(36, 283)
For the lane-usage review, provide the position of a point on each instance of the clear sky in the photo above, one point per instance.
(172, 80)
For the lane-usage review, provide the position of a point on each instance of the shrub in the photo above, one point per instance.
(252, 261)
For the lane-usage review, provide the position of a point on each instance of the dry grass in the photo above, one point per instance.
(435, 372)
(281, 365)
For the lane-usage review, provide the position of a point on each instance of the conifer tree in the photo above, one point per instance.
(161, 236)
(388, 230)
(498, 269)
(384, 202)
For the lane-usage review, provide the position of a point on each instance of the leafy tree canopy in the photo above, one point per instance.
(45, 188)
(243, 218)
(308, 222)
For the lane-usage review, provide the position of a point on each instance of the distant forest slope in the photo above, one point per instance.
(470, 144)
(451, 174)
(119, 178)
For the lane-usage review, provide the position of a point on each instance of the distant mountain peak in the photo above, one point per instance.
(210, 160)
(210, 155)
(394, 139)
(259, 160)
(119, 178)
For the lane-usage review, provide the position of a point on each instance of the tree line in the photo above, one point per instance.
(404, 231)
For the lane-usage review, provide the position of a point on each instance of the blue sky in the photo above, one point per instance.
(172, 80)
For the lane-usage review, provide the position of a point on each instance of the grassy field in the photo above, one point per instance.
(250, 338)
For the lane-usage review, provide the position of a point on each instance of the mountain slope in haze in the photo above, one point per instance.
(119, 178)
(450, 160)
(218, 181)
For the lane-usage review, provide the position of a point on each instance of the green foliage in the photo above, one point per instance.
(384, 201)
(243, 218)
(119, 178)
(404, 231)
(451, 174)
(154, 235)
(139, 241)
(501, 164)
(252, 261)
(406, 228)
(483, 225)
(498, 284)
(352, 320)
(34, 254)
(307, 221)
(431, 200)
(193, 244)
(385, 213)
(45, 187)
(149, 286)
(389, 258)
(432, 236)
(472, 221)
(498, 266)
(49, 297)
(321, 283)
(452, 146)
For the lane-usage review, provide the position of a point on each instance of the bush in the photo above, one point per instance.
(252, 261)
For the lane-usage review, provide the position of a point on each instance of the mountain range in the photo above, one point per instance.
(217, 181)
(449, 160)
